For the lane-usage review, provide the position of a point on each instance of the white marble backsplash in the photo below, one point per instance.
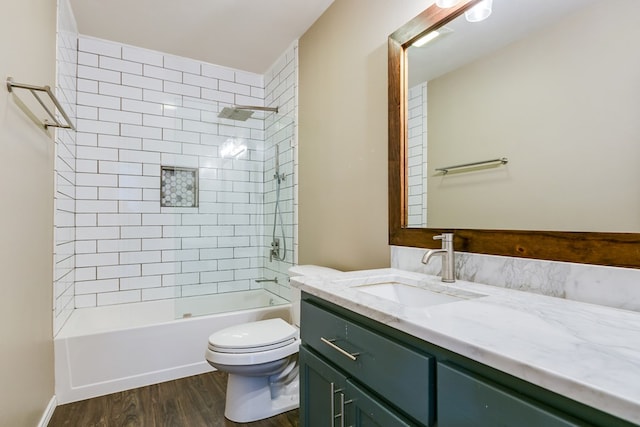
(609, 286)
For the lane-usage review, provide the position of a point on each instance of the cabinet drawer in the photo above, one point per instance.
(402, 376)
(467, 400)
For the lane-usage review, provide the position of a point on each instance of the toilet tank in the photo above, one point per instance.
(305, 270)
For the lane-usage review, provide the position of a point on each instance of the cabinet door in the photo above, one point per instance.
(467, 400)
(321, 392)
(362, 410)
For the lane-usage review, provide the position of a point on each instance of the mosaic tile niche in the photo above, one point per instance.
(178, 187)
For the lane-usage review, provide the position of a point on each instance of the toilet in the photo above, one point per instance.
(261, 359)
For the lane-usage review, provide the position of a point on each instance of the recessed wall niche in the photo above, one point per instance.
(178, 187)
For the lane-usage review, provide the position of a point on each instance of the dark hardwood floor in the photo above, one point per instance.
(189, 402)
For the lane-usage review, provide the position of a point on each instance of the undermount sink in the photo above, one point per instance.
(413, 296)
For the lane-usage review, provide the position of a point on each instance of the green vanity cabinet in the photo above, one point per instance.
(329, 398)
(355, 371)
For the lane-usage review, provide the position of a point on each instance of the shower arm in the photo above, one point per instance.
(256, 108)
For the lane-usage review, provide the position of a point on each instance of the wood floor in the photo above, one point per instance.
(188, 402)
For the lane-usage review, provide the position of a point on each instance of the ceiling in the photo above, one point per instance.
(248, 35)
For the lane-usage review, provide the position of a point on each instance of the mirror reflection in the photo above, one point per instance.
(554, 87)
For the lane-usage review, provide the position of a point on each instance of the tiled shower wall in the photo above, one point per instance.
(140, 109)
(417, 156)
(65, 141)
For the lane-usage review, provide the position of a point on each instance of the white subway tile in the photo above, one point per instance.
(120, 65)
(114, 141)
(119, 91)
(86, 139)
(101, 47)
(200, 219)
(138, 207)
(234, 219)
(144, 56)
(181, 279)
(216, 253)
(86, 247)
(120, 194)
(195, 290)
(141, 82)
(217, 95)
(119, 245)
(233, 197)
(151, 194)
(162, 122)
(217, 230)
(161, 219)
(181, 231)
(122, 297)
(150, 170)
(123, 168)
(181, 89)
(161, 268)
(162, 146)
(216, 276)
(96, 180)
(88, 59)
(86, 220)
(141, 106)
(180, 136)
(143, 232)
(232, 242)
(94, 206)
(94, 100)
(200, 81)
(140, 282)
(246, 252)
(87, 273)
(119, 219)
(162, 73)
(95, 126)
(161, 244)
(200, 150)
(181, 112)
(236, 88)
(218, 72)
(90, 260)
(140, 131)
(199, 242)
(234, 264)
(242, 99)
(84, 85)
(197, 126)
(85, 301)
(139, 156)
(93, 153)
(199, 266)
(84, 112)
(142, 257)
(179, 160)
(107, 115)
(99, 74)
(131, 181)
(118, 271)
(181, 255)
(161, 293)
(257, 92)
(182, 64)
(86, 166)
(161, 97)
(247, 78)
(96, 286)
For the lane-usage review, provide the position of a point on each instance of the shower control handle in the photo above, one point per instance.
(330, 343)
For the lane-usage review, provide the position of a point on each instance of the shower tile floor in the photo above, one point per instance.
(188, 402)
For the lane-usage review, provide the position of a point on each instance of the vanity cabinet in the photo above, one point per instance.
(355, 371)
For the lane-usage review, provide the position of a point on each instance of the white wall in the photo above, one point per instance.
(344, 133)
(27, 43)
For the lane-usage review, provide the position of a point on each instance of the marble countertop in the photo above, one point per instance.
(587, 352)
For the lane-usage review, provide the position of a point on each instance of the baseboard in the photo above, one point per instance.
(48, 412)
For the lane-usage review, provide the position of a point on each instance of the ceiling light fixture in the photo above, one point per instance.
(479, 12)
(444, 4)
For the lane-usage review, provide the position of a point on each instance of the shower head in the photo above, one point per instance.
(243, 112)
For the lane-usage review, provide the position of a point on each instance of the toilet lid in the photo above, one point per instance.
(255, 336)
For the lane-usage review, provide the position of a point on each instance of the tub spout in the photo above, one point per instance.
(274, 280)
(447, 254)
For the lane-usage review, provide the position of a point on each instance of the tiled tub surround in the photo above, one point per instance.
(608, 286)
(586, 352)
(138, 110)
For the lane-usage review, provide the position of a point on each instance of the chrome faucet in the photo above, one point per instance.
(448, 260)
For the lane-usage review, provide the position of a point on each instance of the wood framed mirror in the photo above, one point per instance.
(620, 249)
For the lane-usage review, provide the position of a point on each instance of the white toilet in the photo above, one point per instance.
(261, 359)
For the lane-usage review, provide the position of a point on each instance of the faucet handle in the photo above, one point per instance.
(445, 237)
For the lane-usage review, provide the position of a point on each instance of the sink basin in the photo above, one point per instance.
(412, 296)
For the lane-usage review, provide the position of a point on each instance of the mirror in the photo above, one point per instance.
(477, 98)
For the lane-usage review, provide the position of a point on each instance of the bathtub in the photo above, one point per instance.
(103, 350)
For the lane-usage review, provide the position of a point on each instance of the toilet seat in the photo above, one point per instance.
(262, 335)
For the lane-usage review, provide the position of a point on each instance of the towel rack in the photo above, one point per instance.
(34, 91)
(501, 160)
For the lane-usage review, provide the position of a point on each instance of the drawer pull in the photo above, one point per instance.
(330, 343)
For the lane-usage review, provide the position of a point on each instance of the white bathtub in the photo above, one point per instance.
(103, 350)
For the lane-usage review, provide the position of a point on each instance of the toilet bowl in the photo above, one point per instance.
(261, 359)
